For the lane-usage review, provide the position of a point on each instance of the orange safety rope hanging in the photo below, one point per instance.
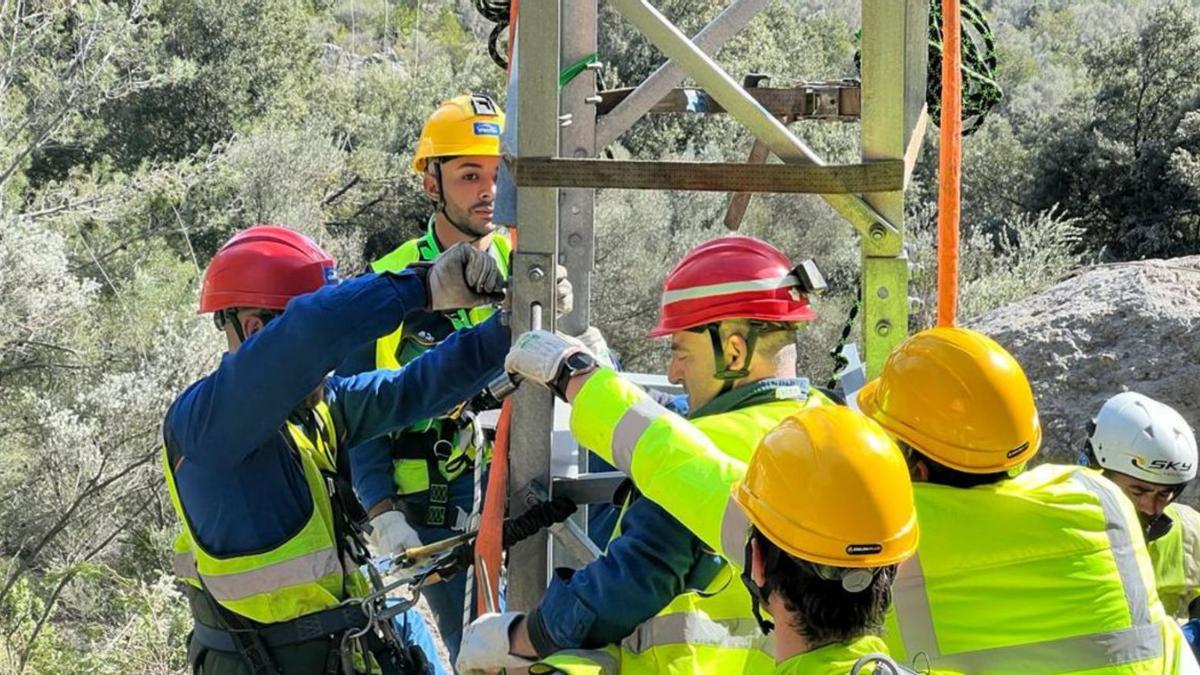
(489, 544)
(950, 163)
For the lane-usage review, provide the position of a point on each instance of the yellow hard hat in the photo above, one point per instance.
(464, 125)
(830, 487)
(957, 397)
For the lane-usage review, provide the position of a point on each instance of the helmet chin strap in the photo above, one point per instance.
(758, 594)
(724, 373)
(440, 206)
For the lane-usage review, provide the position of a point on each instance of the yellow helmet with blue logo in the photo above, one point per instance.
(464, 125)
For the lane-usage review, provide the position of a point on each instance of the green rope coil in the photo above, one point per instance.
(981, 92)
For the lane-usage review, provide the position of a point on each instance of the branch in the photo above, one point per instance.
(70, 576)
(341, 191)
(95, 484)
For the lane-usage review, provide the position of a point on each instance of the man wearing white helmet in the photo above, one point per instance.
(1147, 449)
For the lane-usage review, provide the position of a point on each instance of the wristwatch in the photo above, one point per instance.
(578, 363)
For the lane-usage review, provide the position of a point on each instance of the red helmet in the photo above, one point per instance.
(733, 277)
(263, 267)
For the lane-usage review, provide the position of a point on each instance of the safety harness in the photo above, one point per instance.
(355, 620)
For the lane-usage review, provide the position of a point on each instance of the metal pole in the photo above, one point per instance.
(576, 207)
(738, 103)
(533, 282)
(894, 60)
(718, 31)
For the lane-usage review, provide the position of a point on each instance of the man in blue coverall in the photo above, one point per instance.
(268, 550)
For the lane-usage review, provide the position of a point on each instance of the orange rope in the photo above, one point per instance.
(489, 545)
(950, 163)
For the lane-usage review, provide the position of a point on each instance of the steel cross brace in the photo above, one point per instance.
(741, 105)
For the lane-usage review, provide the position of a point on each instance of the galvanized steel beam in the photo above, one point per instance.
(726, 24)
(533, 282)
(576, 207)
(894, 60)
(740, 104)
(839, 101)
(880, 176)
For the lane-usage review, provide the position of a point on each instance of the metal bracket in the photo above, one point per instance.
(588, 488)
(567, 533)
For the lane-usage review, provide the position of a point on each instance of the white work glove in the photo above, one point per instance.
(485, 646)
(563, 292)
(463, 277)
(391, 534)
(539, 355)
(595, 343)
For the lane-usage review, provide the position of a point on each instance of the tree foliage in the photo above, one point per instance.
(137, 135)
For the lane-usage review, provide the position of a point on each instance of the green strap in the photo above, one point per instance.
(572, 71)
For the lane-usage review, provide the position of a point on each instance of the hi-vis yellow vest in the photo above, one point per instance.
(710, 631)
(1176, 558)
(1045, 572)
(301, 576)
(1050, 577)
(392, 351)
(835, 659)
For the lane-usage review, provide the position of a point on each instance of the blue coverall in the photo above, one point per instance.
(239, 481)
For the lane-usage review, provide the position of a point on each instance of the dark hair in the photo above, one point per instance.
(823, 611)
(940, 474)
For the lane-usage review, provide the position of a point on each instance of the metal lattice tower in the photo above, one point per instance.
(561, 129)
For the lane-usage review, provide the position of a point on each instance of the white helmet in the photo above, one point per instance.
(1140, 437)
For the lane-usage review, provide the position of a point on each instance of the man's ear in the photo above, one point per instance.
(919, 471)
(430, 185)
(758, 570)
(251, 324)
(735, 352)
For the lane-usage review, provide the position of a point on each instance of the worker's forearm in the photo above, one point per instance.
(669, 460)
(235, 409)
(518, 639)
(382, 401)
(575, 384)
(371, 471)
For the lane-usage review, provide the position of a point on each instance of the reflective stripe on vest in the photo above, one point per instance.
(630, 429)
(1143, 640)
(266, 579)
(697, 628)
(711, 631)
(578, 662)
(299, 576)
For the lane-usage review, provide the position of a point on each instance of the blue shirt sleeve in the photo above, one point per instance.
(371, 471)
(380, 401)
(642, 571)
(370, 462)
(360, 361)
(221, 419)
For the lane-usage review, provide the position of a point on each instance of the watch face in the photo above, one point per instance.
(580, 361)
